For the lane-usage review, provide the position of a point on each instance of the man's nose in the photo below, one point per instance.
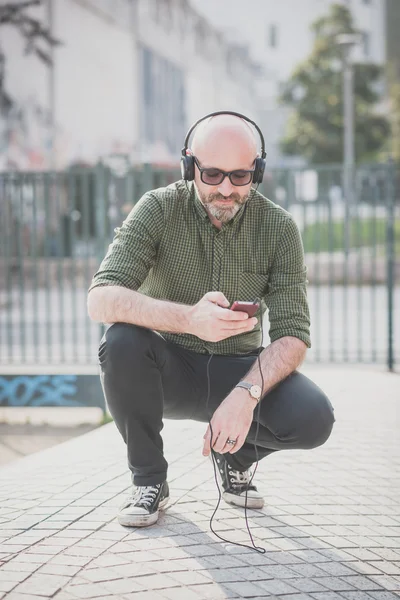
(225, 188)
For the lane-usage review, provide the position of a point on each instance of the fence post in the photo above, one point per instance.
(390, 263)
(101, 210)
(101, 195)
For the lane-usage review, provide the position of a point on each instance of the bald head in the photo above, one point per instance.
(224, 143)
(221, 135)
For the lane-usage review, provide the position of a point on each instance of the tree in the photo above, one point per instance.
(314, 91)
(37, 37)
(394, 115)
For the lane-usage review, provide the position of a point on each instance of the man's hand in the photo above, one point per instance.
(212, 321)
(231, 421)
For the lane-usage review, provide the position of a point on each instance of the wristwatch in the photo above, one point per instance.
(254, 390)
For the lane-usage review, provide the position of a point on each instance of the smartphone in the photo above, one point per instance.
(248, 307)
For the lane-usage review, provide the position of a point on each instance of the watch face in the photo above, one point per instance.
(255, 391)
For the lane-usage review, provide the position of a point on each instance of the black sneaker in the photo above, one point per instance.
(143, 504)
(235, 483)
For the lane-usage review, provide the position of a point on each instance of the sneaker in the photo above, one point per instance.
(142, 506)
(235, 483)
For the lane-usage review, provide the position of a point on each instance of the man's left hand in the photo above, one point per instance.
(231, 421)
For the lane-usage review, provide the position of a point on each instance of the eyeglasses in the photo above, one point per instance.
(212, 176)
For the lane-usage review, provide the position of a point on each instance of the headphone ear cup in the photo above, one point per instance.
(187, 168)
(259, 169)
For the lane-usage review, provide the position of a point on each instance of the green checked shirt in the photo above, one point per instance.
(167, 248)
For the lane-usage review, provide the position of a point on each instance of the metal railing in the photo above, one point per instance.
(55, 229)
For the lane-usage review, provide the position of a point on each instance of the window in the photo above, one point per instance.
(272, 36)
(162, 101)
(366, 42)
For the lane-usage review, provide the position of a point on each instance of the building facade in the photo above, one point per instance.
(127, 80)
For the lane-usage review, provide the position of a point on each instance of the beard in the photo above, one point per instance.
(219, 211)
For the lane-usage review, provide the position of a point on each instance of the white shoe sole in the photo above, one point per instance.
(142, 520)
(241, 500)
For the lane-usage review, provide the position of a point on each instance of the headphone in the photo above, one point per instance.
(187, 161)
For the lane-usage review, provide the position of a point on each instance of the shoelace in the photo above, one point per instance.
(146, 494)
(240, 478)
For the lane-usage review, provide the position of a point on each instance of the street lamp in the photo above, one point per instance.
(346, 42)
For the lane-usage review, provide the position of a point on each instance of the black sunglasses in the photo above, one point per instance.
(212, 176)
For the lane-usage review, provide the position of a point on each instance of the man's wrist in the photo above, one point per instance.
(187, 312)
(252, 389)
(246, 397)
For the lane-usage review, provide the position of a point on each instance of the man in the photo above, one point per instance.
(175, 349)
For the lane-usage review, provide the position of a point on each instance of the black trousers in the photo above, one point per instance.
(145, 379)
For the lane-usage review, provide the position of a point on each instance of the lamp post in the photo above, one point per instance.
(346, 42)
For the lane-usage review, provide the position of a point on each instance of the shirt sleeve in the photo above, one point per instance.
(133, 250)
(287, 295)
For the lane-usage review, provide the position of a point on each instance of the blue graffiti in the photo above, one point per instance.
(39, 390)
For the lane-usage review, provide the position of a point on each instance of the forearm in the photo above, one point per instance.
(116, 304)
(278, 360)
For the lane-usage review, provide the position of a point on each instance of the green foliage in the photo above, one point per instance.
(329, 236)
(394, 147)
(314, 92)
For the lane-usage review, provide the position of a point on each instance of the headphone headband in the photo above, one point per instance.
(187, 162)
(225, 112)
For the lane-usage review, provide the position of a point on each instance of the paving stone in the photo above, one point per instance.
(277, 572)
(336, 569)
(384, 595)
(355, 595)
(386, 567)
(185, 593)
(52, 569)
(330, 527)
(336, 583)
(121, 586)
(305, 584)
(365, 568)
(297, 597)
(16, 576)
(7, 586)
(46, 585)
(156, 581)
(277, 587)
(244, 590)
(150, 595)
(189, 578)
(212, 591)
(87, 590)
(386, 582)
(19, 596)
(306, 570)
(326, 596)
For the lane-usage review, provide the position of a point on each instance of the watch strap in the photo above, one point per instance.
(248, 386)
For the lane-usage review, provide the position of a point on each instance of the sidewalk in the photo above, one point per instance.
(330, 526)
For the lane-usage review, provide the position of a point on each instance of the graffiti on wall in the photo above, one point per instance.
(51, 390)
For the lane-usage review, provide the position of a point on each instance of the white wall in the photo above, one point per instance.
(94, 75)
(97, 100)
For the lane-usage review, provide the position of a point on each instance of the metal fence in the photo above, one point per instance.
(55, 229)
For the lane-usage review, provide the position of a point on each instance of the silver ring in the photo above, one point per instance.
(233, 442)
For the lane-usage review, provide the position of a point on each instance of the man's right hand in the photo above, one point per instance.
(212, 321)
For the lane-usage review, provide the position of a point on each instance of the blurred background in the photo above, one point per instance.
(95, 99)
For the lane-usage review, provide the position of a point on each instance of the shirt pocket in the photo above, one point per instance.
(252, 286)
